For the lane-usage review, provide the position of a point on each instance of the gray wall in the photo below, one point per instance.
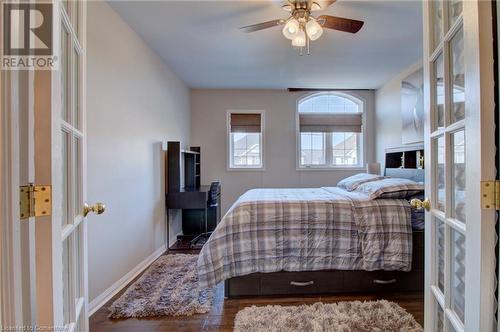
(208, 129)
(134, 102)
(388, 114)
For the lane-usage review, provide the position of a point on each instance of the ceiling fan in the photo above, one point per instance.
(301, 26)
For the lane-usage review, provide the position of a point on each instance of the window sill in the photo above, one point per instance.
(335, 168)
(245, 169)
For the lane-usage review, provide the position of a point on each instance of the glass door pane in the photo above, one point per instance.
(77, 171)
(440, 173)
(458, 274)
(437, 22)
(78, 257)
(439, 253)
(439, 93)
(66, 176)
(75, 95)
(454, 11)
(439, 319)
(458, 76)
(68, 305)
(65, 72)
(458, 175)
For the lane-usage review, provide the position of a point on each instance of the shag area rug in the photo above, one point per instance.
(169, 287)
(343, 316)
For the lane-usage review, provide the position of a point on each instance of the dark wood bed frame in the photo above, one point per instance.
(337, 281)
(332, 281)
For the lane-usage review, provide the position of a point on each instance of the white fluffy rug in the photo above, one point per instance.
(343, 316)
(169, 287)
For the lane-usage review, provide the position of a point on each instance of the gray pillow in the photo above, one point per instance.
(352, 182)
(391, 188)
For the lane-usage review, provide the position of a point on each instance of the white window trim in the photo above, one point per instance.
(361, 166)
(262, 141)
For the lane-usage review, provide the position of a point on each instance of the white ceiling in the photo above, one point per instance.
(201, 42)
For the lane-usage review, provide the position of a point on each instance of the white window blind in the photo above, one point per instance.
(245, 123)
(330, 123)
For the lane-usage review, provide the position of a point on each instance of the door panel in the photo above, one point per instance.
(459, 140)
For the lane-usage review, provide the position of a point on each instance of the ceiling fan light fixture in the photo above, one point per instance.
(291, 28)
(300, 39)
(314, 29)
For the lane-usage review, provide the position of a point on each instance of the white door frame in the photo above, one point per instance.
(480, 133)
(479, 23)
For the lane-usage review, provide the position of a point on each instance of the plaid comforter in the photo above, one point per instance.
(270, 230)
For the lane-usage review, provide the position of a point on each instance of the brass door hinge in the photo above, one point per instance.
(490, 195)
(35, 201)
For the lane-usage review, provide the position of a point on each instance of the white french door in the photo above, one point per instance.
(460, 153)
(70, 132)
(47, 144)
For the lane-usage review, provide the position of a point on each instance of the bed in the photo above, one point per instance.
(353, 238)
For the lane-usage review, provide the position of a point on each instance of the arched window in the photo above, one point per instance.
(330, 131)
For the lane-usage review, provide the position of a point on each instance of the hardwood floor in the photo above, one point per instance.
(221, 317)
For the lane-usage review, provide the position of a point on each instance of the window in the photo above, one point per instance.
(330, 127)
(245, 139)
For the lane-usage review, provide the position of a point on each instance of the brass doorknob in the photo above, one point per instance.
(418, 204)
(97, 208)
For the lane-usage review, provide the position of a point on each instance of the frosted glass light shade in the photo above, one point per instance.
(291, 28)
(300, 39)
(313, 29)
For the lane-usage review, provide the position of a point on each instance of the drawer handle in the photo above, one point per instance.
(301, 284)
(384, 282)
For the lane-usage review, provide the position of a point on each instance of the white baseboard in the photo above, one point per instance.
(101, 299)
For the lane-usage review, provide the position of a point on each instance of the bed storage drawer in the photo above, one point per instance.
(299, 283)
(324, 282)
(384, 281)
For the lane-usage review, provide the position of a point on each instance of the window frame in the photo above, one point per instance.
(229, 159)
(361, 102)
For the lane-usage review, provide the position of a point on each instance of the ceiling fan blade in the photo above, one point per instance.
(262, 26)
(321, 4)
(340, 23)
